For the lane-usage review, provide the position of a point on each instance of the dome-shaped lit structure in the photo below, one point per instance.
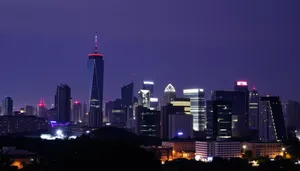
(169, 94)
(170, 88)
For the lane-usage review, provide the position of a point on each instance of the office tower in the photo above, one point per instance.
(240, 127)
(29, 110)
(147, 122)
(253, 109)
(127, 95)
(127, 102)
(166, 111)
(7, 106)
(144, 98)
(271, 121)
(85, 117)
(197, 107)
(180, 125)
(293, 115)
(116, 113)
(42, 111)
(169, 94)
(219, 119)
(183, 102)
(63, 103)
(96, 74)
(149, 85)
(242, 86)
(154, 105)
(77, 112)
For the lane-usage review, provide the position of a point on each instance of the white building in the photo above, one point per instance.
(225, 149)
(180, 125)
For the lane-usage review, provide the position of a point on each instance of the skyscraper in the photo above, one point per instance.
(144, 98)
(96, 74)
(169, 94)
(77, 112)
(42, 111)
(197, 107)
(253, 109)
(271, 121)
(63, 103)
(7, 106)
(149, 85)
(127, 95)
(293, 115)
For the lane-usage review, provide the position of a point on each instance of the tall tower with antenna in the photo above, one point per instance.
(96, 78)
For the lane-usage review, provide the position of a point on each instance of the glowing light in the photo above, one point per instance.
(192, 90)
(76, 102)
(59, 132)
(242, 83)
(170, 88)
(197, 157)
(283, 149)
(144, 91)
(95, 55)
(244, 146)
(17, 164)
(149, 82)
(153, 99)
(180, 133)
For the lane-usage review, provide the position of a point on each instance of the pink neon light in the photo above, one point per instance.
(76, 102)
(95, 54)
(242, 83)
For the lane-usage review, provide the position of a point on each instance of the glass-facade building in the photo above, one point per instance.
(197, 109)
(96, 74)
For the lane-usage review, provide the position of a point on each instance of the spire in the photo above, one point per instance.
(96, 43)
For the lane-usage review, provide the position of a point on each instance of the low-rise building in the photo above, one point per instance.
(225, 149)
(181, 148)
(264, 149)
(161, 152)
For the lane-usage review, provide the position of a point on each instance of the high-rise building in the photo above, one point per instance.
(293, 115)
(197, 107)
(154, 105)
(144, 98)
(169, 94)
(271, 121)
(7, 106)
(240, 127)
(77, 112)
(147, 122)
(149, 85)
(184, 102)
(219, 119)
(63, 103)
(42, 110)
(253, 109)
(242, 86)
(29, 110)
(127, 95)
(96, 76)
(166, 111)
(180, 125)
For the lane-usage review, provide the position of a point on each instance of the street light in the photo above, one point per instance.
(283, 149)
(244, 147)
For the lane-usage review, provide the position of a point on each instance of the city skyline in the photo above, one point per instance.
(48, 56)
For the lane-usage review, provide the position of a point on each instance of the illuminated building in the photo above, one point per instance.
(183, 102)
(169, 94)
(20, 123)
(161, 152)
(197, 107)
(239, 125)
(271, 120)
(154, 103)
(77, 112)
(42, 111)
(63, 103)
(180, 125)
(181, 148)
(7, 106)
(219, 118)
(149, 85)
(96, 75)
(253, 109)
(147, 122)
(259, 149)
(206, 150)
(144, 98)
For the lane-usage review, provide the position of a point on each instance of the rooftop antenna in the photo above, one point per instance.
(96, 43)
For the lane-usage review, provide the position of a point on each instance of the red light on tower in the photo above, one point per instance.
(76, 102)
(242, 83)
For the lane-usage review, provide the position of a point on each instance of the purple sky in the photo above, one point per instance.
(193, 43)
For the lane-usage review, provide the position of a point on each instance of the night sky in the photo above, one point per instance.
(190, 43)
